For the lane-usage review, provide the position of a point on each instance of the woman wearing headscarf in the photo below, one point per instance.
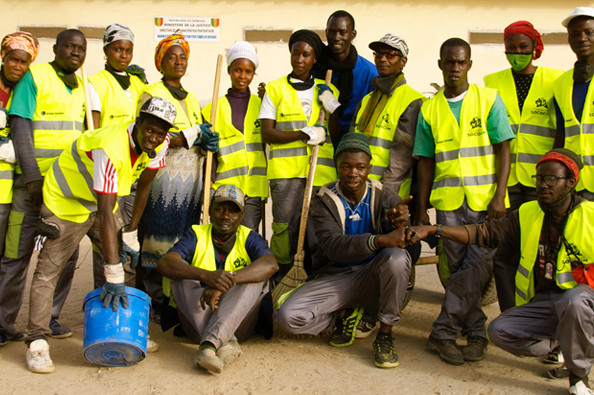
(114, 91)
(289, 117)
(241, 160)
(527, 91)
(174, 201)
(17, 50)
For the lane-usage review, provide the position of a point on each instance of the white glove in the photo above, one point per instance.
(131, 239)
(3, 118)
(114, 273)
(7, 152)
(316, 134)
(191, 134)
(329, 101)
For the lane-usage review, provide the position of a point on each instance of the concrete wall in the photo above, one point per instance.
(424, 25)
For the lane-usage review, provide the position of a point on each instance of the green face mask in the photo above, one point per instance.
(519, 61)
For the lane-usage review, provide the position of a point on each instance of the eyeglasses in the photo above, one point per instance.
(389, 55)
(549, 180)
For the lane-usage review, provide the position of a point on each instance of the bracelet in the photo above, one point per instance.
(439, 231)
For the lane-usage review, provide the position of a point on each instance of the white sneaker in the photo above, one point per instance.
(207, 359)
(151, 345)
(580, 388)
(229, 352)
(38, 357)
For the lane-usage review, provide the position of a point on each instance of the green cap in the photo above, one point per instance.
(353, 141)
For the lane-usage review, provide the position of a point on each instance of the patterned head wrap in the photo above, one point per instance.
(526, 28)
(20, 40)
(116, 32)
(168, 42)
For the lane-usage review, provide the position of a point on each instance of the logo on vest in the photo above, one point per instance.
(385, 122)
(290, 114)
(476, 125)
(139, 169)
(53, 113)
(257, 127)
(542, 107)
(239, 263)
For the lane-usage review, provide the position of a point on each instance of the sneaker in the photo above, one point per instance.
(475, 349)
(17, 337)
(555, 357)
(580, 388)
(447, 350)
(151, 345)
(560, 372)
(58, 331)
(384, 352)
(366, 327)
(229, 352)
(38, 357)
(344, 334)
(206, 358)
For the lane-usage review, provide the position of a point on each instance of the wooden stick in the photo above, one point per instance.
(213, 114)
(88, 113)
(310, 179)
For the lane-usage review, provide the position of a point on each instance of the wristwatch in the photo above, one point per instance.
(439, 230)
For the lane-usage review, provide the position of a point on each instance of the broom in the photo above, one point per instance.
(208, 170)
(297, 274)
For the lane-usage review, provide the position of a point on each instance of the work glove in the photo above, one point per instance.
(138, 71)
(7, 153)
(316, 134)
(207, 139)
(114, 290)
(130, 246)
(3, 118)
(327, 99)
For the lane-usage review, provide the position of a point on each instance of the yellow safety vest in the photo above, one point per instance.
(68, 187)
(58, 118)
(579, 136)
(578, 231)
(204, 256)
(535, 127)
(382, 136)
(464, 155)
(116, 106)
(291, 160)
(6, 169)
(241, 157)
(184, 119)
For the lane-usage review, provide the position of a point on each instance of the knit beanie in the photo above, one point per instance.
(242, 50)
(355, 141)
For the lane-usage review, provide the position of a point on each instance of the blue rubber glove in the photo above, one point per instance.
(207, 139)
(130, 246)
(116, 293)
(3, 139)
(323, 88)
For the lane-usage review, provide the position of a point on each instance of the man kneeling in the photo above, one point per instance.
(360, 227)
(223, 265)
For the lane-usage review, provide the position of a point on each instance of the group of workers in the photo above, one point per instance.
(508, 168)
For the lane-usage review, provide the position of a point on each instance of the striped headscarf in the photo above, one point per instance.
(20, 40)
(168, 42)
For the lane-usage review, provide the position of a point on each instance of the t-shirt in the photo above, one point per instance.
(357, 219)
(268, 109)
(95, 100)
(186, 247)
(578, 100)
(498, 126)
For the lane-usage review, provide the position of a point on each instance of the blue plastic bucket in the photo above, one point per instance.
(116, 338)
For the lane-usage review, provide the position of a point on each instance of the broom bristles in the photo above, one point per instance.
(295, 276)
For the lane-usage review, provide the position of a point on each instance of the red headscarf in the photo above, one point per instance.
(168, 42)
(526, 28)
(565, 156)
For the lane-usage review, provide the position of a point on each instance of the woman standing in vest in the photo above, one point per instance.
(241, 160)
(174, 201)
(289, 116)
(18, 51)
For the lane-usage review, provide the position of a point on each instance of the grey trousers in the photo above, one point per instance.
(379, 285)
(236, 316)
(535, 328)
(22, 224)
(520, 194)
(470, 267)
(253, 213)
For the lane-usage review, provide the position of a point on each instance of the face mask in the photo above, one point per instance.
(519, 61)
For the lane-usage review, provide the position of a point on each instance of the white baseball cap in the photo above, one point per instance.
(160, 108)
(579, 11)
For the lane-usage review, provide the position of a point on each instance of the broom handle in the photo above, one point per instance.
(213, 114)
(310, 180)
(88, 113)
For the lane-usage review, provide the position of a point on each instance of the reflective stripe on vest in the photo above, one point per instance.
(241, 157)
(535, 127)
(291, 160)
(116, 106)
(579, 136)
(382, 136)
(578, 231)
(59, 115)
(183, 119)
(68, 187)
(464, 156)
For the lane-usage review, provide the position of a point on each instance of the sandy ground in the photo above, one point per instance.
(278, 365)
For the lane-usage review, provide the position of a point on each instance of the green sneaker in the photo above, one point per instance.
(384, 351)
(344, 334)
